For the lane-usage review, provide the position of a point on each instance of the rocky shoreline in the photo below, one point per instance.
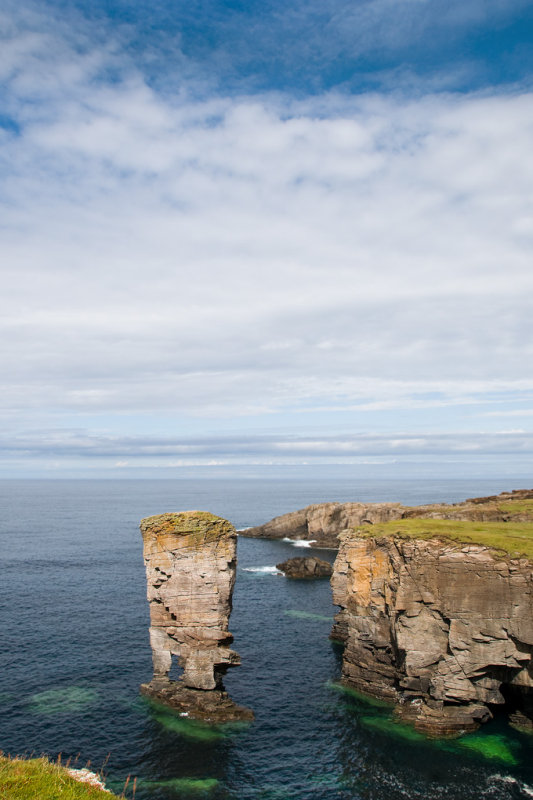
(444, 631)
(436, 604)
(321, 523)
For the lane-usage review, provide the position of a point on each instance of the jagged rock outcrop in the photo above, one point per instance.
(190, 561)
(305, 568)
(444, 630)
(323, 522)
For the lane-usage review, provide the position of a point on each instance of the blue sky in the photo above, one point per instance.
(262, 234)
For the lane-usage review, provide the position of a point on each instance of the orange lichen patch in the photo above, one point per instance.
(370, 568)
(183, 531)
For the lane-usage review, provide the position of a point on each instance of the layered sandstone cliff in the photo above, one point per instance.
(323, 522)
(190, 563)
(443, 629)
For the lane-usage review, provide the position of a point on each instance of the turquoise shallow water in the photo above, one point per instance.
(74, 618)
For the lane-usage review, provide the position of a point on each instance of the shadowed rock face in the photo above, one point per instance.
(190, 561)
(444, 630)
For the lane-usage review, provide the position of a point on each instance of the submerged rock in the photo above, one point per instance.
(190, 561)
(305, 567)
(445, 630)
(215, 705)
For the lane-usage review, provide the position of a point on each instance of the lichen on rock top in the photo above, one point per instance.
(190, 529)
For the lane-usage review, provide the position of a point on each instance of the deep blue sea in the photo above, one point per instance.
(74, 621)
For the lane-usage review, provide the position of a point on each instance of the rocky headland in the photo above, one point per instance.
(322, 523)
(436, 604)
(190, 561)
(443, 629)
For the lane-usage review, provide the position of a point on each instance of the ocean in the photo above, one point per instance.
(74, 621)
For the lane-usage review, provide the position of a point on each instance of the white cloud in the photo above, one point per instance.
(250, 255)
(126, 451)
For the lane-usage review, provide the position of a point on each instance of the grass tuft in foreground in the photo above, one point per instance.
(28, 779)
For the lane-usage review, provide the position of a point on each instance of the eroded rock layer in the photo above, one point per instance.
(323, 522)
(443, 629)
(190, 561)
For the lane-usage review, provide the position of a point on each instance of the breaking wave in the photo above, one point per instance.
(300, 542)
(264, 570)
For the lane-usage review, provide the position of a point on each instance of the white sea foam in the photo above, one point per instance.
(300, 542)
(240, 530)
(264, 570)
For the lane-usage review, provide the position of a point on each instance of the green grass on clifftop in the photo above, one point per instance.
(516, 539)
(513, 507)
(29, 779)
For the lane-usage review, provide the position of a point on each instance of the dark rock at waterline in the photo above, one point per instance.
(306, 567)
(213, 705)
(443, 721)
(520, 721)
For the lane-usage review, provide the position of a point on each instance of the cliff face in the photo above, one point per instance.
(323, 522)
(442, 629)
(190, 563)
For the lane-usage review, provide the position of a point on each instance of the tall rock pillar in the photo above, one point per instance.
(190, 561)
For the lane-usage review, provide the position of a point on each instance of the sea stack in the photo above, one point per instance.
(190, 560)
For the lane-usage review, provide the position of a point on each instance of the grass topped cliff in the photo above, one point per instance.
(29, 779)
(519, 509)
(516, 539)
